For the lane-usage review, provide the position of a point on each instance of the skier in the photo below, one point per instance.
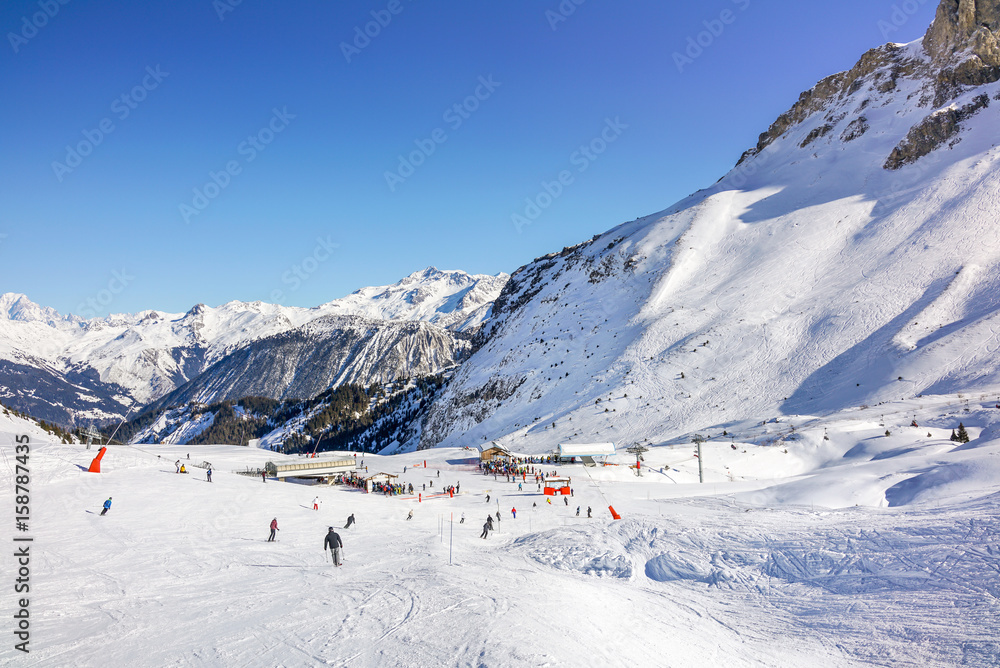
(350, 521)
(263, 476)
(462, 521)
(274, 527)
(209, 473)
(439, 474)
(107, 506)
(178, 465)
(333, 541)
(578, 511)
(566, 500)
(588, 511)
(498, 517)
(315, 503)
(489, 521)
(409, 516)
(189, 456)
(519, 487)
(486, 530)
(404, 469)
(513, 512)
(487, 498)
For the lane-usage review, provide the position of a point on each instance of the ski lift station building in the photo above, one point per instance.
(585, 451)
(494, 452)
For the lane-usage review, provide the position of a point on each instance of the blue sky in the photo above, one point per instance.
(223, 150)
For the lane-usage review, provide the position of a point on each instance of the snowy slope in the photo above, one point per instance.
(788, 555)
(65, 367)
(849, 258)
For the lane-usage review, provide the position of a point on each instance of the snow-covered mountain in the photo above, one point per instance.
(324, 353)
(65, 368)
(849, 258)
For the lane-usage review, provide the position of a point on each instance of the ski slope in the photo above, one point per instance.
(855, 549)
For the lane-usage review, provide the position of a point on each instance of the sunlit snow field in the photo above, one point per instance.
(858, 549)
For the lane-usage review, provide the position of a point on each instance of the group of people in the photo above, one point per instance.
(181, 468)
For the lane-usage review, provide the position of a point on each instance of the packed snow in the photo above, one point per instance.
(812, 541)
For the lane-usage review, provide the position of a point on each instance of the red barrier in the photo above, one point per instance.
(613, 513)
(95, 466)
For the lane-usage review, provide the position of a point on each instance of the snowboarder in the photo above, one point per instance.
(178, 465)
(486, 530)
(263, 476)
(183, 470)
(333, 541)
(487, 498)
(189, 456)
(462, 521)
(498, 517)
(566, 500)
(350, 521)
(404, 469)
(409, 515)
(209, 474)
(107, 506)
(274, 527)
(588, 511)
(315, 503)
(578, 511)
(519, 487)
(513, 512)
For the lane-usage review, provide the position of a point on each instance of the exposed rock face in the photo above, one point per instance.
(934, 131)
(965, 25)
(962, 50)
(887, 64)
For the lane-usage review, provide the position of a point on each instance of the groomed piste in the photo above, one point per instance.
(813, 541)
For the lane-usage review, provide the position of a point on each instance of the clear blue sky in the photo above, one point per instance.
(68, 229)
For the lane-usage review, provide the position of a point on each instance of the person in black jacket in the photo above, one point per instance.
(333, 542)
(350, 521)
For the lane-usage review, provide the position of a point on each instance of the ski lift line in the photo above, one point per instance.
(111, 438)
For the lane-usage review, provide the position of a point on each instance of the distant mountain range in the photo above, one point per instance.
(68, 370)
(850, 257)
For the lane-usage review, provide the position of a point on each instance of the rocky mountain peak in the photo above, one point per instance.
(965, 27)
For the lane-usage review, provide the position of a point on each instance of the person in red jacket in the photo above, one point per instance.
(513, 511)
(274, 527)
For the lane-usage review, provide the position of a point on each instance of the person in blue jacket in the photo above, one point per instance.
(107, 506)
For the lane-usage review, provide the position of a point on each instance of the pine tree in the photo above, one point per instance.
(963, 436)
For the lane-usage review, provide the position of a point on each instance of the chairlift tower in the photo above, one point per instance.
(698, 439)
(90, 433)
(637, 450)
